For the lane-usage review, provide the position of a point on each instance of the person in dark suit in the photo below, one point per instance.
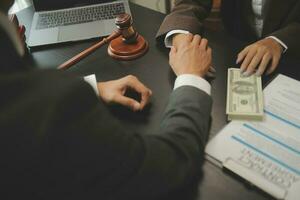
(58, 139)
(274, 24)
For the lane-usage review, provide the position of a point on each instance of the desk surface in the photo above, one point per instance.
(154, 71)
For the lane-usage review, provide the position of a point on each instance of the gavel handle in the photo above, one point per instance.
(88, 51)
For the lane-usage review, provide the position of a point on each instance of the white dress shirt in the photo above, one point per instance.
(257, 6)
(194, 81)
(257, 18)
(91, 79)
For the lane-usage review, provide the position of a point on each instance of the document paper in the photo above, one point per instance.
(266, 153)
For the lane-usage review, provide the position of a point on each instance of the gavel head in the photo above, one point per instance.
(124, 23)
(130, 45)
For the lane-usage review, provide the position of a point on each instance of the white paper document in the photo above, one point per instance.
(266, 153)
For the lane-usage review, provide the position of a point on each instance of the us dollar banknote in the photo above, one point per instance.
(244, 96)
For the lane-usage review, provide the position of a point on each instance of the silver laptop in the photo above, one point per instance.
(59, 21)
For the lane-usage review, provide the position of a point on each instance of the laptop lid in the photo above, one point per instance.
(48, 5)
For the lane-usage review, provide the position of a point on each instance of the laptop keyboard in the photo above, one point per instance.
(79, 16)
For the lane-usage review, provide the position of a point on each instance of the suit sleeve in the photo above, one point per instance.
(289, 34)
(92, 155)
(174, 155)
(186, 15)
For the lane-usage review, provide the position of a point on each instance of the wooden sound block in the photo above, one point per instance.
(120, 50)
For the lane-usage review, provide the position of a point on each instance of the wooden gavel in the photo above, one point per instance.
(125, 43)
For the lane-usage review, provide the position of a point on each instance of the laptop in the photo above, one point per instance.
(58, 21)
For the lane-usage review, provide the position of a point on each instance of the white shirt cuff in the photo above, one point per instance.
(91, 79)
(194, 81)
(169, 37)
(285, 48)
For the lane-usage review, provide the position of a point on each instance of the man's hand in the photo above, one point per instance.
(178, 38)
(257, 57)
(190, 55)
(114, 91)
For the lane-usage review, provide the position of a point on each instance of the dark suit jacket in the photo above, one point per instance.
(59, 141)
(282, 20)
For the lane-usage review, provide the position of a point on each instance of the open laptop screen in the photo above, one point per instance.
(48, 5)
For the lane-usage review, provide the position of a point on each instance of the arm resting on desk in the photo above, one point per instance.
(98, 158)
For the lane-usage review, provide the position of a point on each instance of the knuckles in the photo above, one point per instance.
(204, 40)
(146, 93)
(131, 78)
(268, 55)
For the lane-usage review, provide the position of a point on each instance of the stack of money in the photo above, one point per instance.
(244, 96)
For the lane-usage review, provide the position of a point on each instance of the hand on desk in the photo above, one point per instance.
(190, 55)
(114, 92)
(259, 55)
(255, 58)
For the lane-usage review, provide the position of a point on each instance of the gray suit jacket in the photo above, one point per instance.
(282, 20)
(58, 140)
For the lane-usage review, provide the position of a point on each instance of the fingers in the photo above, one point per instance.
(211, 73)
(196, 40)
(241, 56)
(189, 37)
(275, 61)
(258, 55)
(128, 102)
(247, 60)
(258, 60)
(254, 63)
(209, 52)
(191, 56)
(263, 64)
(203, 44)
(145, 92)
(212, 69)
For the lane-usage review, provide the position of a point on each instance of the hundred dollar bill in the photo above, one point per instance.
(244, 96)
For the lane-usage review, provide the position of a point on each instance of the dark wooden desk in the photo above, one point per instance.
(154, 71)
